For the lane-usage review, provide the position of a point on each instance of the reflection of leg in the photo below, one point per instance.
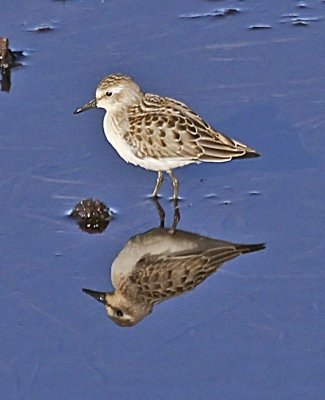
(177, 216)
(175, 184)
(159, 181)
(161, 212)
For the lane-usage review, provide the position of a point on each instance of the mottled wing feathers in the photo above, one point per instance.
(162, 127)
(158, 277)
(154, 135)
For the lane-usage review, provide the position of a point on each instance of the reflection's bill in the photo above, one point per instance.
(159, 264)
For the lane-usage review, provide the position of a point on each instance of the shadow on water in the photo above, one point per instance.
(160, 264)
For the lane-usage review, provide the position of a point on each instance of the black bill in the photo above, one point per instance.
(99, 296)
(91, 104)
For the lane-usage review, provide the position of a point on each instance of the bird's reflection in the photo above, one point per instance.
(160, 264)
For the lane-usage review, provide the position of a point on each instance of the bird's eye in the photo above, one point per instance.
(108, 94)
(119, 313)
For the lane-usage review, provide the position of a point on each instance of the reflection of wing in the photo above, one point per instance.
(158, 277)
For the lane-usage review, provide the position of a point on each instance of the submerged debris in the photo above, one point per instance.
(302, 4)
(92, 215)
(259, 26)
(300, 22)
(296, 20)
(254, 193)
(221, 12)
(211, 196)
(289, 15)
(41, 28)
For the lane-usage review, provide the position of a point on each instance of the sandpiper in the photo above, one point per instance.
(159, 133)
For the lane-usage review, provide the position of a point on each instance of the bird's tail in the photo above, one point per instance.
(250, 154)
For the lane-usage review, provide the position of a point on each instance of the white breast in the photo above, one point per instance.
(115, 127)
(114, 131)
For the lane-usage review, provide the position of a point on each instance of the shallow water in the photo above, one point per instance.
(255, 329)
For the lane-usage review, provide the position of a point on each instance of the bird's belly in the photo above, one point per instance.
(153, 164)
(162, 164)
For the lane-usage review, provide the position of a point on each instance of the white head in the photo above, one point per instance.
(114, 91)
(119, 309)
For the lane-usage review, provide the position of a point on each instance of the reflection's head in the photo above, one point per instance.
(119, 309)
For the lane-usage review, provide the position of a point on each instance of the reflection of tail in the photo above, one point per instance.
(250, 248)
(217, 256)
(212, 259)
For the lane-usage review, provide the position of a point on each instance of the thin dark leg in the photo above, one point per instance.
(159, 182)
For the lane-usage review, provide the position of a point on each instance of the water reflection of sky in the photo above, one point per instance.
(255, 329)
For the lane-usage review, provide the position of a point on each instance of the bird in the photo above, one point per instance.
(158, 265)
(159, 133)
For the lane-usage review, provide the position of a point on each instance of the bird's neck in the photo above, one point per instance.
(116, 119)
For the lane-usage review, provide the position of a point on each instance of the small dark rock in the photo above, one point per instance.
(92, 215)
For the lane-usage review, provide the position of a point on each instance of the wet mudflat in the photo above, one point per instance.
(252, 330)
